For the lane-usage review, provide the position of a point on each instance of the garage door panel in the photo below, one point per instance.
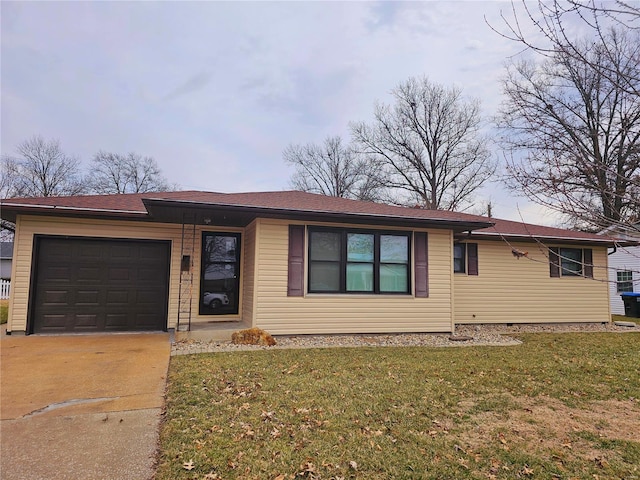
(87, 321)
(55, 322)
(89, 275)
(117, 297)
(86, 298)
(116, 321)
(144, 321)
(149, 252)
(122, 252)
(56, 274)
(104, 286)
(56, 297)
(148, 274)
(90, 252)
(120, 274)
(56, 250)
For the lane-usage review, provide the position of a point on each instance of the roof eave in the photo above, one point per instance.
(9, 211)
(154, 206)
(609, 242)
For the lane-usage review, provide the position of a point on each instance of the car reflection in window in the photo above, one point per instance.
(215, 300)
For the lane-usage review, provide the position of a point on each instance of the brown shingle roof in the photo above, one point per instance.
(288, 202)
(523, 230)
(284, 200)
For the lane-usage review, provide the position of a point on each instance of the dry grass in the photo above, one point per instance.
(4, 311)
(622, 318)
(556, 407)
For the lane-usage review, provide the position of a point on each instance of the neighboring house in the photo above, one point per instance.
(624, 266)
(6, 254)
(290, 263)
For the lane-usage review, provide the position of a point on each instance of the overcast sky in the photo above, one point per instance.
(215, 91)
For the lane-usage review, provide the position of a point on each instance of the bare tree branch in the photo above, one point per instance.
(41, 169)
(571, 130)
(429, 145)
(131, 173)
(333, 169)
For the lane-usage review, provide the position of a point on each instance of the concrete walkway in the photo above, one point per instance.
(81, 406)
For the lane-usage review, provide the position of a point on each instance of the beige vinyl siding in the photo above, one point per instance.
(320, 313)
(249, 272)
(28, 226)
(512, 290)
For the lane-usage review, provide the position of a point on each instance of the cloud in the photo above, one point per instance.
(216, 90)
(192, 85)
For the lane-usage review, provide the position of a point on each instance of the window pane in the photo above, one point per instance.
(220, 248)
(219, 274)
(359, 247)
(324, 277)
(394, 249)
(625, 281)
(325, 246)
(360, 277)
(393, 278)
(571, 261)
(459, 258)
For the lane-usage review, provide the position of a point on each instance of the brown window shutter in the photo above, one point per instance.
(554, 261)
(295, 286)
(472, 258)
(421, 263)
(587, 254)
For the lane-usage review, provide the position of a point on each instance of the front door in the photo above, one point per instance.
(220, 274)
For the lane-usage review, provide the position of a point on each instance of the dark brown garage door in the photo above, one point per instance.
(98, 285)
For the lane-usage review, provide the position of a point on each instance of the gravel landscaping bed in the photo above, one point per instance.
(464, 335)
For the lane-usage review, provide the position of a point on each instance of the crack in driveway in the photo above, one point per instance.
(67, 403)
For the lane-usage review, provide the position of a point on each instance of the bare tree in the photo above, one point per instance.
(41, 169)
(571, 128)
(429, 144)
(131, 173)
(333, 169)
(552, 20)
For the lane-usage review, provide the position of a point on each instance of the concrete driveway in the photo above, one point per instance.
(81, 406)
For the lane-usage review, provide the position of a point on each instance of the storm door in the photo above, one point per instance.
(220, 273)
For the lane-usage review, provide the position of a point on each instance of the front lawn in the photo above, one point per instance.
(622, 318)
(557, 407)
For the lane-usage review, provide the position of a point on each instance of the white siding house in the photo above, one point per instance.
(624, 270)
(6, 255)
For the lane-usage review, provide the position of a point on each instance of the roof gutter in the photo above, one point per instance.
(605, 241)
(19, 208)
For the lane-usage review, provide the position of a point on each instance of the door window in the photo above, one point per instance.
(220, 274)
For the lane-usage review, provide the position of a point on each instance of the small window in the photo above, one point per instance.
(465, 258)
(625, 281)
(324, 261)
(459, 258)
(571, 262)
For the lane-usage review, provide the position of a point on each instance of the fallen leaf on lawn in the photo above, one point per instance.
(307, 469)
(188, 465)
(267, 415)
(527, 471)
(353, 465)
